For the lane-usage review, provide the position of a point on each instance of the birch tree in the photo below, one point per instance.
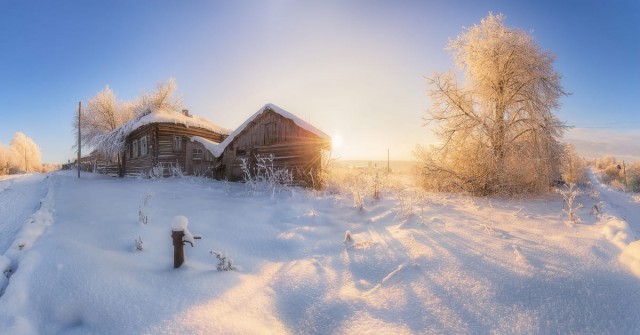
(495, 114)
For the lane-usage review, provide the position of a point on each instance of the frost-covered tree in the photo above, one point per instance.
(6, 160)
(495, 117)
(26, 153)
(164, 98)
(574, 167)
(102, 115)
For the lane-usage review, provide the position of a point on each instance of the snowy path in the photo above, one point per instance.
(19, 198)
(620, 204)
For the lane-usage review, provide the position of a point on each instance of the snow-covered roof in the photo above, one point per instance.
(170, 116)
(269, 107)
(114, 141)
(214, 148)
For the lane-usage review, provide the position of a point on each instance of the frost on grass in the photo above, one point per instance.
(138, 243)
(569, 201)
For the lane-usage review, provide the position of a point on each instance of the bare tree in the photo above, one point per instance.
(497, 126)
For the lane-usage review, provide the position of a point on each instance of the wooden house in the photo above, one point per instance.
(160, 144)
(272, 132)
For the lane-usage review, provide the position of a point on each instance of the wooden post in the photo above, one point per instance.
(624, 171)
(79, 132)
(178, 248)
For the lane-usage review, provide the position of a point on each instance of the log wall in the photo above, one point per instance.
(161, 151)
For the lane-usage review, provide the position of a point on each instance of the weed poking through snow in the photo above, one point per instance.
(348, 239)
(138, 242)
(569, 199)
(224, 263)
(142, 209)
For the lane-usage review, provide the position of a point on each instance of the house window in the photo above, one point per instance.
(143, 146)
(135, 148)
(177, 142)
(128, 150)
(197, 154)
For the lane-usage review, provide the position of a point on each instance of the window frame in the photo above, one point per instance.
(135, 148)
(144, 146)
(177, 143)
(198, 156)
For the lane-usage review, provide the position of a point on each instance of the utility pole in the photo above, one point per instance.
(388, 167)
(79, 144)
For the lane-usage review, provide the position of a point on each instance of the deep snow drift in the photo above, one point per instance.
(443, 264)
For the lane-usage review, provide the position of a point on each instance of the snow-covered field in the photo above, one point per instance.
(455, 265)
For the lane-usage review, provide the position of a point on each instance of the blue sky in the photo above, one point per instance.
(352, 68)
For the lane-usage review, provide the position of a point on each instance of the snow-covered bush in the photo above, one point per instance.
(610, 173)
(405, 201)
(633, 184)
(164, 169)
(224, 262)
(604, 162)
(358, 182)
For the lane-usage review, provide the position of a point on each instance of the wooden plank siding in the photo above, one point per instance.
(292, 147)
(161, 151)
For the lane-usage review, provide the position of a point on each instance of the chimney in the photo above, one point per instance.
(185, 112)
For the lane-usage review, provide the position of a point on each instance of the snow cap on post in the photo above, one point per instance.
(179, 223)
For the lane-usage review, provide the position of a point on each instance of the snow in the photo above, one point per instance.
(179, 223)
(630, 256)
(169, 116)
(217, 150)
(456, 265)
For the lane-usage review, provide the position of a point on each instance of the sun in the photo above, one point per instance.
(337, 141)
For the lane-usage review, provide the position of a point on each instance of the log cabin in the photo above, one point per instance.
(159, 145)
(291, 142)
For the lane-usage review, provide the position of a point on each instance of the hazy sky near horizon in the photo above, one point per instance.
(354, 69)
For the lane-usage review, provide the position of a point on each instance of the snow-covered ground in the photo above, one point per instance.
(455, 265)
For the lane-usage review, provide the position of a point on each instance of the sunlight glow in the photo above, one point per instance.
(337, 141)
